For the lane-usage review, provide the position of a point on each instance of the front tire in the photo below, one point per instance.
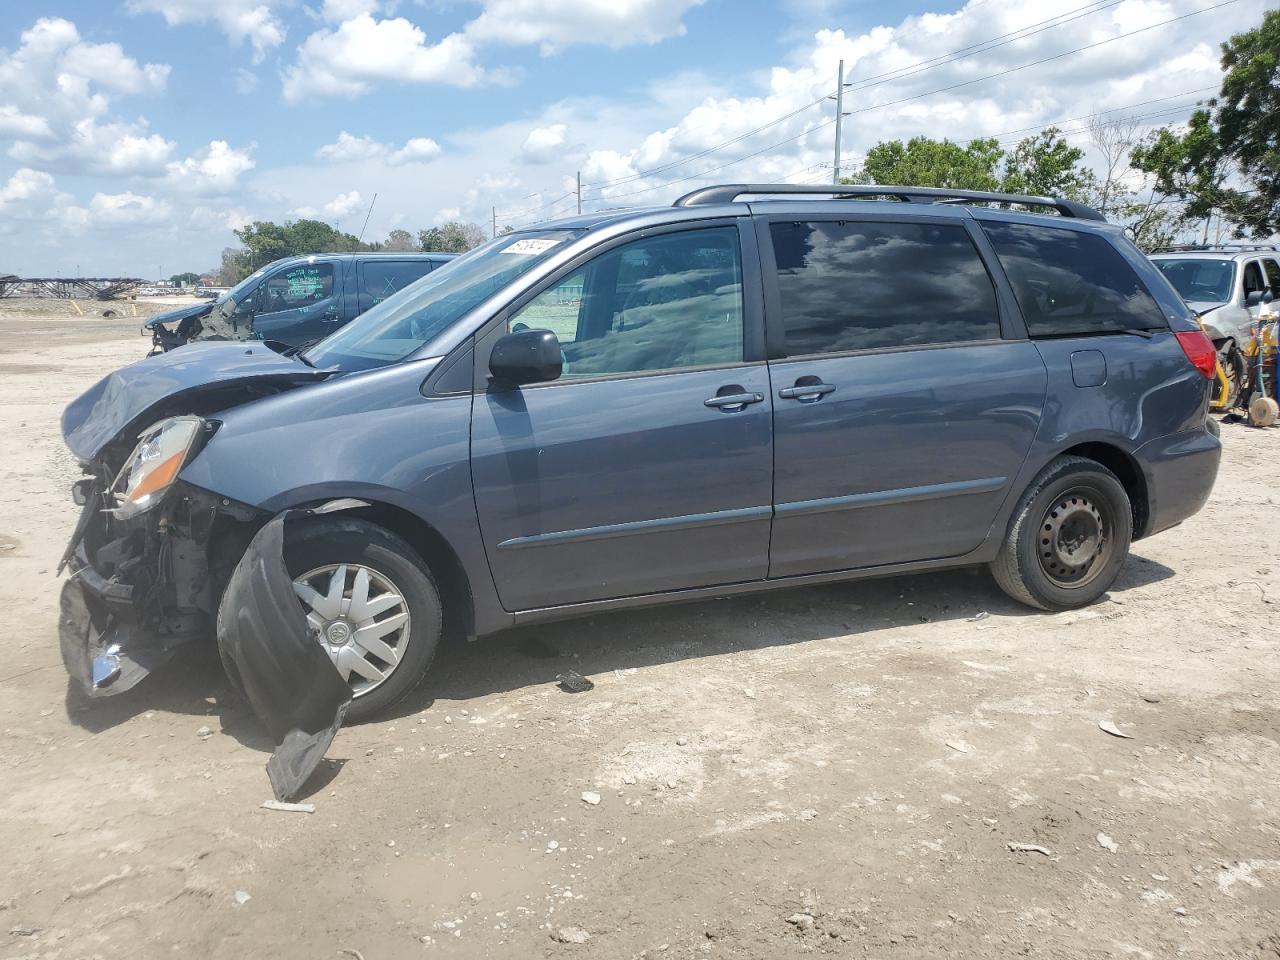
(371, 603)
(1069, 537)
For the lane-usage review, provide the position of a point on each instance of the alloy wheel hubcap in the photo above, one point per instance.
(360, 618)
(1073, 541)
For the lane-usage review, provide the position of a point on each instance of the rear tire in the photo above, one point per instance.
(1068, 538)
(324, 542)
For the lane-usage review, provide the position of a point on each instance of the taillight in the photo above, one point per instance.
(1199, 350)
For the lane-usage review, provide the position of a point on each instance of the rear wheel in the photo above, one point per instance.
(371, 604)
(1069, 537)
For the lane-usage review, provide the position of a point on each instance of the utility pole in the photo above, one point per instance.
(579, 193)
(495, 220)
(839, 99)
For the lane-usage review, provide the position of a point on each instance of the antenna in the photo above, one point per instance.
(366, 218)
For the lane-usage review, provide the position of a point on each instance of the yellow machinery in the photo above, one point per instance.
(1260, 355)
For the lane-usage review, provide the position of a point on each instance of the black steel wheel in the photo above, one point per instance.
(1068, 537)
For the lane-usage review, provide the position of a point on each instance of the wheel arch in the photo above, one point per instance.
(1127, 471)
(435, 551)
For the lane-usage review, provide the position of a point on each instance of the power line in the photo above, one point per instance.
(985, 46)
(1022, 33)
(878, 106)
(1044, 60)
(1100, 113)
(919, 96)
(695, 156)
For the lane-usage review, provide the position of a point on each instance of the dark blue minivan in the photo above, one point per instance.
(294, 301)
(637, 407)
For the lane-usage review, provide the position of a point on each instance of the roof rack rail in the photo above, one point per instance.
(1217, 248)
(729, 192)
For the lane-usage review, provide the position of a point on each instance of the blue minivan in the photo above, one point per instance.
(637, 407)
(295, 300)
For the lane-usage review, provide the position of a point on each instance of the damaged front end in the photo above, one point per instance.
(213, 321)
(144, 586)
(158, 564)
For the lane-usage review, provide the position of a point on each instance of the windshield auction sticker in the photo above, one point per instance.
(531, 246)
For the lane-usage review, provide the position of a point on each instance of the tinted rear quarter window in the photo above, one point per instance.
(381, 278)
(855, 285)
(1072, 283)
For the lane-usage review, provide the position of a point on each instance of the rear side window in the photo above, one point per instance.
(380, 279)
(1272, 270)
(856, 285)
(1071, 283)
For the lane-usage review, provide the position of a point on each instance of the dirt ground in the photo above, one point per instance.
(836, 771)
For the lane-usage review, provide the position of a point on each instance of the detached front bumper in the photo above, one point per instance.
(142, 589)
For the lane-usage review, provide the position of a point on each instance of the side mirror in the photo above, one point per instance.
(526, 356)
(1255, 297)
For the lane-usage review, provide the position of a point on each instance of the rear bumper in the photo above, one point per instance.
(1180, 470)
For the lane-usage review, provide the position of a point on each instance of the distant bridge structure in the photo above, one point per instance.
(71, 288)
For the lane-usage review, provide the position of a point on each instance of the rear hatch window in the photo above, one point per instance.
(1071, 283)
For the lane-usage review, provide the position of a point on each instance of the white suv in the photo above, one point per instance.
(1228, 286)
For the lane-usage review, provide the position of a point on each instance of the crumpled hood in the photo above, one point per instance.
(1204, 306)
(181, 313)
(131, 398)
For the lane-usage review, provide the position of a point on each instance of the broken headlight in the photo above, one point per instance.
(162, 451)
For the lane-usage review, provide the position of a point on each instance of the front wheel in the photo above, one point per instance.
(1069, 537)
(371, 604)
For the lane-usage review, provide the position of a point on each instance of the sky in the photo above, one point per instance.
(137, 135)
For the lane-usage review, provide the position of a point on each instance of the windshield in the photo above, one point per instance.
(393, 329)
(1203, 281)
(238, 292)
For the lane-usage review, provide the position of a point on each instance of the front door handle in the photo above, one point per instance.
(812, 390)
(736, 400)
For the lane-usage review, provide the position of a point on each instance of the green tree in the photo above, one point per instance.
(234, 266)
(399, 241)
(454, 237)
(1047, 166)
(185, 279)
(1235, 140)
(922, 162)
(265, 241)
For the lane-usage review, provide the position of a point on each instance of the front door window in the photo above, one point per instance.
(661, 303)
(302, 286)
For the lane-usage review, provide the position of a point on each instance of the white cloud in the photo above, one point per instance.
(111, 148)
(58, 91)
(415, 150)
(352, 149)
(15, 123)
(242, 21)
(337, 11)
(554, 24)
(543, 144)
(114, 210)
(106, 65)
(24, 185)
(362, 51)
(914, 101)
(214, 169)
(343, 205)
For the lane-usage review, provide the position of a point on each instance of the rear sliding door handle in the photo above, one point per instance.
(807, 391)
(733, 401)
